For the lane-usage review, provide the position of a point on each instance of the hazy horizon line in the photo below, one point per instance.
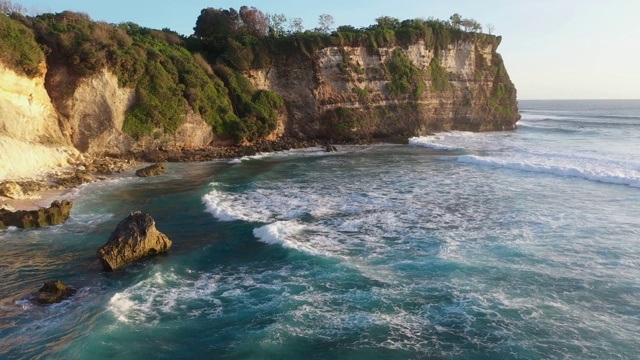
(594, 99)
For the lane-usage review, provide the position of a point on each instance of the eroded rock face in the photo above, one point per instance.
(135, 238)
(56, 214)
(153, 170)
(11, 190)
(54, 292)
(325, 100)
(30, 138)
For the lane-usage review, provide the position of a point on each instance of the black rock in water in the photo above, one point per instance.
(330, 148)
(153, 170)
(54, 292)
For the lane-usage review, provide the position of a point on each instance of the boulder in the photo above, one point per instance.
(56, 214)
(330, 148)
(135, 238)
(11, 190)
(54, 292)
(153, 170)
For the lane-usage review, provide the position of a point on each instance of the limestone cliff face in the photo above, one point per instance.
(93, 109)
(93, 115)
(343, 92)
(47, 124)
(30, 136)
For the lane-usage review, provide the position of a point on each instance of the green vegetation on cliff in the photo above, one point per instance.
(406, 78)
(18, 47)
(169, 80)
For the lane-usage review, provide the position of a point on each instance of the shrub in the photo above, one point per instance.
(406, 78)
(439, 76)
(20, 51)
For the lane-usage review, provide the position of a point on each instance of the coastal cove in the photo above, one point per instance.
(519, 245)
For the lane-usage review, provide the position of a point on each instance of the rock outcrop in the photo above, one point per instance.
(135, 238)
(54, 292)
(153, 170)
(56, 214)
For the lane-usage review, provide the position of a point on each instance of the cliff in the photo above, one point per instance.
(75, 86)
(30, 136)
(346, 92)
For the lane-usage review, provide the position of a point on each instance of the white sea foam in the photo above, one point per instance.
(600, 172)
(265, 204)
(161, 295)
(219, 208)
(462, 140)
(291, 234)
(305, 152)
(428, 141)
(122, 306)
(278, 232)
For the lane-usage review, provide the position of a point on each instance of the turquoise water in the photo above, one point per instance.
(516, 245)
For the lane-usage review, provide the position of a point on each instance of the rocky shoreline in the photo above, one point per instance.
(14, 193)
(171, 154)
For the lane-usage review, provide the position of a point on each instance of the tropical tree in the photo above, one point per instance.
(325, 22)
(456, 20)
(7, 7)
(471, 25)
(254, 21)
(295, 25)
(216, 22)
(277, 23)
(388, 22)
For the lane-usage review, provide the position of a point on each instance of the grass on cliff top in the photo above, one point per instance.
(241, 49)
(19, 49)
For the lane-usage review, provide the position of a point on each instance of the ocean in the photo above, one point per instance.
(506, 245)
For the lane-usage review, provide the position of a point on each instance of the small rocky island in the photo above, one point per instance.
(135, 238)
(54, 292)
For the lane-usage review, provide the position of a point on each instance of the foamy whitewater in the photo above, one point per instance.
(510, 245)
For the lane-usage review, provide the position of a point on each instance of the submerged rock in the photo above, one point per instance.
(135, 238)
(330, 148)
(153, 170)
(54, 292)
(56, 214)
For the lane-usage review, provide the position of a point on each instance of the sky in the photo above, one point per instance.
(553, 49)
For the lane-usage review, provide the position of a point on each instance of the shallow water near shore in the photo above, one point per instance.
(515, 245)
